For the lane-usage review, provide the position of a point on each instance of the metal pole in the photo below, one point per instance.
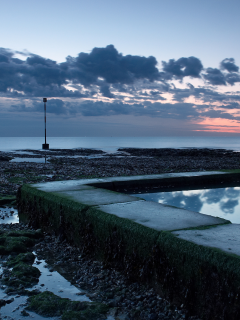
(45, 145)
(45, 116)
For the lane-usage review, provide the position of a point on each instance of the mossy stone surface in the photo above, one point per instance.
(18, 242)
(25, 270)
(22, 274)
(7, 200)
(49, 305)
(27, 258)
(30, 234)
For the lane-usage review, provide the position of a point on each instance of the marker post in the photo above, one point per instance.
(45, 145)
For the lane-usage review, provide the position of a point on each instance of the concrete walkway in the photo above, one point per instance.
(150, 214)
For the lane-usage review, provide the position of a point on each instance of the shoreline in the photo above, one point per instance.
(69, 164)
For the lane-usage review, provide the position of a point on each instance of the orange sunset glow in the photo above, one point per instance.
(219, 125)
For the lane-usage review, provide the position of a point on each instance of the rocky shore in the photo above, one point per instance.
(124, 299)
(87, 163)
(120, 298)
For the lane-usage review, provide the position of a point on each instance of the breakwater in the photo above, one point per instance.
(140, 237)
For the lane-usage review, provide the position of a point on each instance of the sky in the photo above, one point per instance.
(120, 68)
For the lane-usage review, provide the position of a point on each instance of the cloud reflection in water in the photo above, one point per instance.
(220, 202)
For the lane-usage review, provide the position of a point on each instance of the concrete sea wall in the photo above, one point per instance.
(143, 239)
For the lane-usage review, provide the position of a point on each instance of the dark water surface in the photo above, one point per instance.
(217, 202)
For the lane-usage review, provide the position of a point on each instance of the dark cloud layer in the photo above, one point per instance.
(55, 106)
(102, 71)
(89, 108)
(37, 76)
(134, 83)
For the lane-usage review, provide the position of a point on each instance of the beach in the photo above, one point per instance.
(126, 299)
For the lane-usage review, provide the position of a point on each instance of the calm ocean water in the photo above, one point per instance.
(111, 144)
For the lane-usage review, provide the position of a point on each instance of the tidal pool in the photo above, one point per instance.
(49, 280)
(217, 202)
(8, 215)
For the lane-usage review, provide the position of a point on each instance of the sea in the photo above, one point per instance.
(111, 144)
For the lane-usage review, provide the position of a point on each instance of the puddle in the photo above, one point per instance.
(31, 153)
(56, 283)
(48, 281)
(217, 202)
(80, 156)
(8, 215)
(39, 160)
(45, 160)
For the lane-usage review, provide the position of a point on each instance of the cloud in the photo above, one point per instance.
(232, 78)
(86, 69)
(214, 76)
(44, 71)
(3, 58)
(104, 71)
(232, 193)
(183, 67)
(211, 113)
(164, 110)
(104, 89)
(228, 206)
(229, 65)
(204, 94)
(107, 63)
(232, 105)
(180, 200)
(134, 84)
(30, 77)
(55, 106)
(90, 108)
(214, 195)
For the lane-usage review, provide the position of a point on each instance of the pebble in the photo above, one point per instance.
(133, 300)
